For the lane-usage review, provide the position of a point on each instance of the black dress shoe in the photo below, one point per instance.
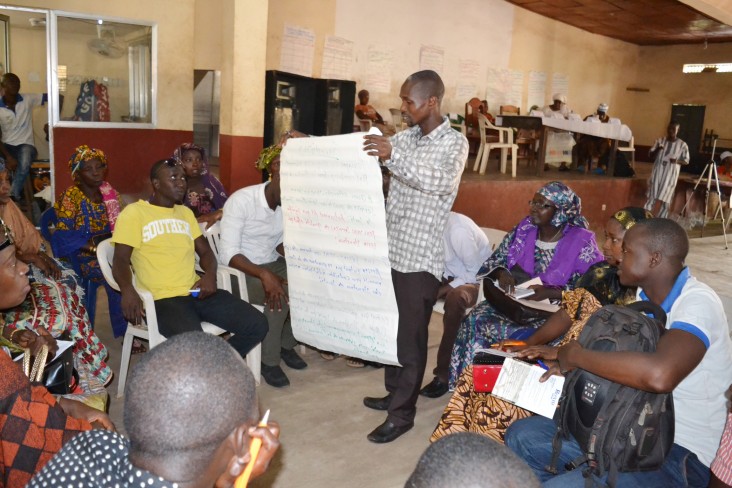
(387, 432)
(274, 376)
(293, 359)
(378, 403)
(435, 389)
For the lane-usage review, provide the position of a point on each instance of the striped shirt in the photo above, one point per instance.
(722, 465)
(426, 172)
(665, 173)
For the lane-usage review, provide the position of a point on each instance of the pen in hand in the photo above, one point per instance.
(542, 364)
(243, 479)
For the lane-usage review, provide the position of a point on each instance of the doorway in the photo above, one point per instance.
(206, 112)
(691, 118)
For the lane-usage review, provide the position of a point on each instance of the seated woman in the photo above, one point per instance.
(552, 243)
(86, 214)
(54, 304)
(205, 195)
(365, 111)
(34, 425)
(483, 413)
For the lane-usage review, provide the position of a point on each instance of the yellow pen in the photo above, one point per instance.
(243, 479)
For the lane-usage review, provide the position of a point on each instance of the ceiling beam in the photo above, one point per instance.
(720, 10)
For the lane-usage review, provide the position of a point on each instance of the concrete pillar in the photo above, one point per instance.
(243, 57)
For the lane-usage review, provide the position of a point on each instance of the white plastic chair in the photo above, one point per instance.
(631, 149)
(149, 330)
(396, 119)
(495, 237)
(505, 143)
(213, 236)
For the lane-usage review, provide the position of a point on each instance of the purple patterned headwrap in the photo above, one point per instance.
(568, 203)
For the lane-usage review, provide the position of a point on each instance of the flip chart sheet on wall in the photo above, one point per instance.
(298, 47)
(341, 295)
(337, 58)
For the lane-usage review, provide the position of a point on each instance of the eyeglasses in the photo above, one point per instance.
(539, 205)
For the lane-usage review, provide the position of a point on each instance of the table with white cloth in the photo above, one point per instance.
(613, 131)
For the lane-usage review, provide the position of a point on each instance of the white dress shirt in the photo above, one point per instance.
(249, 227)
(466, 249)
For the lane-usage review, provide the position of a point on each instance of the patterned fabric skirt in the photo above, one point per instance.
(58, 307)
(471, 411)
(483, 327)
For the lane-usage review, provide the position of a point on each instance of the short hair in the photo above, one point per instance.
(429, 82)
(675, 123)
(185, 396)
(470, 460)
(157, 166)
(10, 77)
(362, 92)
(666, 236)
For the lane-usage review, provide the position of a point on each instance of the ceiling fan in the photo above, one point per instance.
(106, 44)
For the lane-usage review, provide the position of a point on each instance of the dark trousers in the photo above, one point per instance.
(183, 314)
(457, 302)
(416, 294)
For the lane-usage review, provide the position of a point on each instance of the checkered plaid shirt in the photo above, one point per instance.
(426, 173)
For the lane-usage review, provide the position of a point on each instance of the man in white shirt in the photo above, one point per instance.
(693, 360)
(16, 124)
(251, 241)
(466, 249)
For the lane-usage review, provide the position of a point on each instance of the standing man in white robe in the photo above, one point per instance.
(668, 154)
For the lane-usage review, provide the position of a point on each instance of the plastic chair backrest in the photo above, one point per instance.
(396, 119)
(495, 236)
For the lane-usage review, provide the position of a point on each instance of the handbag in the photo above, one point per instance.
(510, 308)
(486, 368)
(59, 376)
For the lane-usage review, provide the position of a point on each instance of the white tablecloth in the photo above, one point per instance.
(608, 131)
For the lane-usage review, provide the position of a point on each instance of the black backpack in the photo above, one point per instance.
(619, 428)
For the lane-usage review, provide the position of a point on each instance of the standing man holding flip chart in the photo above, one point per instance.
(426, 162)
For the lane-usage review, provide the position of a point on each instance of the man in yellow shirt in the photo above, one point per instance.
(158, 239)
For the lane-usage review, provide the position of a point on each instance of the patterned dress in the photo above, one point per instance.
(480, 412)
(485, 325)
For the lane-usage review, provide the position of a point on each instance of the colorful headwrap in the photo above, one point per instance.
(208, 180)
(568, 203)
(629, 216)
(85, 153)
(267, 155)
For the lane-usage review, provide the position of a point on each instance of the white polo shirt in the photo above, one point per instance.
(466, 249)
(17, 126)
(699, 403)
(249, 227)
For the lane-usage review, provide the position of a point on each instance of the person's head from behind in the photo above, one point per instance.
(363, 97)
(653, 250)
(470, 460)
(615, 229)
(188, 406)
(13, 273)
(672, 131)
(88, 166)
(10, 84)
(421, 96)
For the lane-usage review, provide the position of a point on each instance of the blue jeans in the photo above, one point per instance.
(531, 439)
(24, 154)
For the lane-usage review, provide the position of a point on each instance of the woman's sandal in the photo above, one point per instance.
(355, 363)
(138, 347)
(328, 356)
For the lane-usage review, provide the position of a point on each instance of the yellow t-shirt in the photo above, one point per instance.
(163, 255)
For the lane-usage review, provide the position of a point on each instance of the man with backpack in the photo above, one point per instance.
(693, 359)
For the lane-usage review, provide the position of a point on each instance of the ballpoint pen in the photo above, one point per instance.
(542, 364)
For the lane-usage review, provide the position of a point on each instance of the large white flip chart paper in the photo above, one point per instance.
(338, 270)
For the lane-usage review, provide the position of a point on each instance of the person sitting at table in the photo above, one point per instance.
(592, 148)
(558, 108)
(552, 243)
(367, 112)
